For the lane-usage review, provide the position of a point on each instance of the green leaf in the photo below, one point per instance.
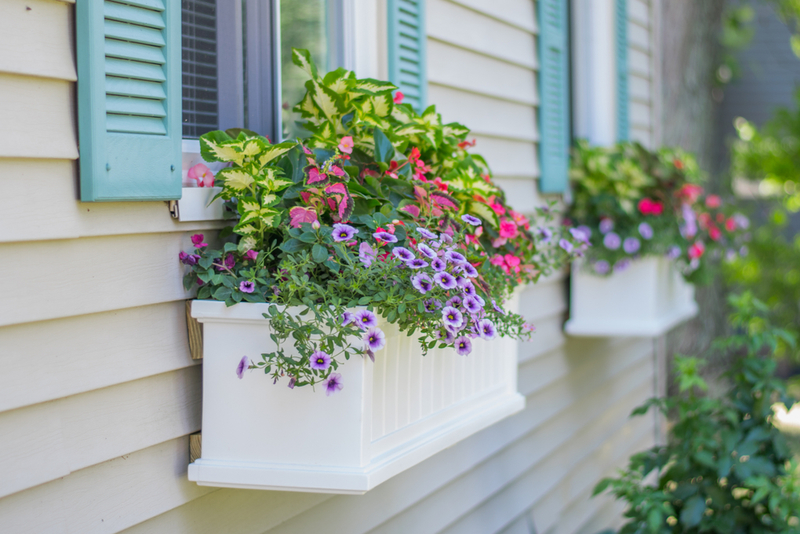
(308, 237)
(222, 293)
(319, 253)
(693, 511)
(384, 151)
(292, 245)
(655, 519)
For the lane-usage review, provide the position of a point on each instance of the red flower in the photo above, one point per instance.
(465, 144)
(696, 250)
(398, 97)
(650, 207)
(678, 164)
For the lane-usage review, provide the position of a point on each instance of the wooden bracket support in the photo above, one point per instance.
(195, 446)
(194, 332)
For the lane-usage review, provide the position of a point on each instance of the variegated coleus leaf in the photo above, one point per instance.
(484, 212)
(234, 180)
(382, 104)
(430, 117)
(308, 109)
(326, 100)
(270, 152)
(302, 58)
(371, 86)
(238, 151)
(403, 113)
(339, 81)
(455, 129)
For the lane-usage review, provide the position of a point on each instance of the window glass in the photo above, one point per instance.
(199, 34)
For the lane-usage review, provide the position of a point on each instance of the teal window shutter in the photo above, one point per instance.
(554, 96)
(623, 100)
(129, 99)
(406, 40)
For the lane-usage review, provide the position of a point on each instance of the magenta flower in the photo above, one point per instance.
(455, 302)
(333, 384)
(422, 282)
(244, 365)
(452, 317)
(468, 270)
(320, 360)
(343, 232)
(251, 255)
(366, 254)
(601, 267)
(385, 237)
(646, 231)
(417, 263)
(612, 241)
(606, 225)
(471, 305)
(424, 232)
(438, 265)
(228, 263)
(374, 339)
(366, 319)
(463, 345)
(486, 329)
(631, 245)
(426, 251)
(445, 280)
(455, 257)
(197, 240)
(246, 286)
(469, 219)
(566, 245)
(403, 254)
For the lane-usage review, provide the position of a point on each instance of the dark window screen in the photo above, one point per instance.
(200, 110)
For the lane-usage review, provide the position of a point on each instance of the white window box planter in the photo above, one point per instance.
(389, 416)
(647, 299)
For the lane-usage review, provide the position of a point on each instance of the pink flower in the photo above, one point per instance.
(690, 193)
(202, 175)
(197, 241)
(498, 208)
(251, 255)
(346, 144)
(713, 201)
(696, 250)
(508, 229)
(398, 97)
(497, 260)
(650, 207)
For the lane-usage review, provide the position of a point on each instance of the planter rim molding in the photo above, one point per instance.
(646, 300)
(390, 415)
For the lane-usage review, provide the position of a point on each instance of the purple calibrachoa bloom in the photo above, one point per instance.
(469, 219)
(445, 239)
(606, 225)
(455, 257)
(468, 288)
(566, 245)
(486, 329)
(469, 270)
(471, 305)
(385, 237)
(621, 265)
(463, 345)
(197, 241)
(426, 251)
(347, 318)
(403, 254)
(320, 360)
(251, 255)
(431, 305)
(452, 317)
(343, 232)
(333, 384)
(631, 245)
(366, 254)
(479, 299)
(188, 259)
(601, 267)
(374, 339)
(246, 286)
(424, 232)
(292, 382)
(612, 241)
(545, 234)
(422, 282)
(581, 233)
(417, 263)
(227, 263)
(497, 308)
(674, 252)
(366, 319)
(438, 265)
(460, 280)
(445, 280)
(244, 365)
(455, 302)
(646, 231)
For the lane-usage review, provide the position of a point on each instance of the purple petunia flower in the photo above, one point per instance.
(445, 280)
(621, 265)
(438, 265)
(674, 252)
(333, 384)
(366, 254)
(384, 236)
(188, 259)
(486, 329)
(631, 245)
(424, 232)
(292, 382)
(743, 251)
(612, 241)
(497, 308)
(246, 286)
(581, 233)
(545, 234)
(460, 280)
(480, 300)
(417, 263)
(446, 336)
(366, 319)
(468, 288)
(601, 267)
(426, 251)
(197, 241)
(347, 318)
(469, 219)
(455, 302)
(422, 282)
(455, 257)
(452, 317)
(320, 360)
(468, 270)
(646, 231)
(741, 221)
(403, 254)
(471, 305)
(606, 225)
(445, 239)
(463, 345)
(566, 245)
(431, 305)
(244, 365)
(343, 232)
(374, 339)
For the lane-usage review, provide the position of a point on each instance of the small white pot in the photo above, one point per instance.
(389, 415)
(647, 299)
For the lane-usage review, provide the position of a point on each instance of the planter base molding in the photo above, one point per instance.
(389, 416)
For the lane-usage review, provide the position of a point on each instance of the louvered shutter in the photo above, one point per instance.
(623, 121)
(129, 99)
(554, 96)
(407, 50)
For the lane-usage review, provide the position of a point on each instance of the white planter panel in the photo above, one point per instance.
(194, 204)
(389, 416)
(646, 300)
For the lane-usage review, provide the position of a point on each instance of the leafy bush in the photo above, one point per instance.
(726, 468)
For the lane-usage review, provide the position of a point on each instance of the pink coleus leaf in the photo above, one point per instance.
(300, 215)
(443, 201)
(336, 171)
(314, 176)
(411, 209)
(336, 188)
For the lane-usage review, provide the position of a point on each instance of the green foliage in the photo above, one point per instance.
(726, 468)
